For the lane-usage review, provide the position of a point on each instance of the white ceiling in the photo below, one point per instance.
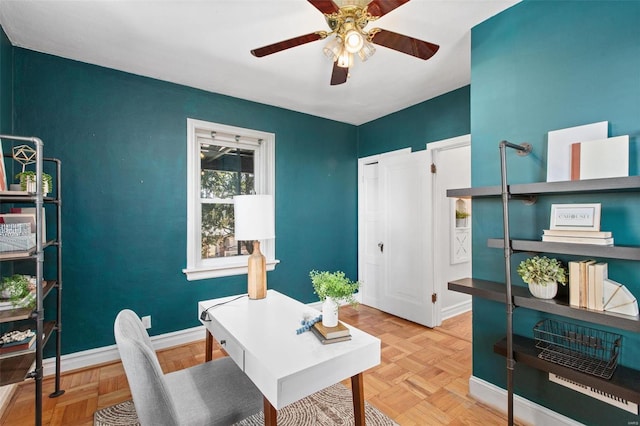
(205, 44)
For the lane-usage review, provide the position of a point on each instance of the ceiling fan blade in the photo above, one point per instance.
(382, 7)
(287, 44)
(405, 44)
(339, 74)
(325, 6)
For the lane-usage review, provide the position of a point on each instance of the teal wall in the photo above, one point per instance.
(6, 84)
(439, 118)
(122, 142)
(541, 66)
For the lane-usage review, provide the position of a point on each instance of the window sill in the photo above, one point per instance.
(205, 272)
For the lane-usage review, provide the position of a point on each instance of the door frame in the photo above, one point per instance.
(433, 148)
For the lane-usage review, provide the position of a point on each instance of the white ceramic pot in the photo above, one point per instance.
(329, 313)
(547, 291)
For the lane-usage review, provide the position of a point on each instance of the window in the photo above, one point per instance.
(223, 161)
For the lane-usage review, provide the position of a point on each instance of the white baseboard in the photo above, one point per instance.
(523, 409)
(110, 353)
(452, 311)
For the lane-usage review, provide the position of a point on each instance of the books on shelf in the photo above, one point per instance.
(597, 273)
(328, 335)
(18, 348)
(591, 288)
(568, 233)
(601, 238)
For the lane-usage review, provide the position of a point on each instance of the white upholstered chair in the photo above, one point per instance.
(214, 393)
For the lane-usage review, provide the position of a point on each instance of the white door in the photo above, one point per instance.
(369, 254)
(403, 241)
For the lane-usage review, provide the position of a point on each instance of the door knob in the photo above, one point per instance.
(381, 247)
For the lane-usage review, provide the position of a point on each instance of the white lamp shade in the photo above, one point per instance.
(254, 217)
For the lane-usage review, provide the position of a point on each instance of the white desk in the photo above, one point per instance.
(260, 336)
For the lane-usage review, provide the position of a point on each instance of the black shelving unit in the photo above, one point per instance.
(14, 369)
(626, 381)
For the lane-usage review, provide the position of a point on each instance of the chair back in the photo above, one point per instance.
(146, 380)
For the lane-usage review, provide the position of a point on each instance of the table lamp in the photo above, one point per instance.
(254, 221)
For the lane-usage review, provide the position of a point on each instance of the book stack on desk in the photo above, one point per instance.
(327, 335)
(601, 238)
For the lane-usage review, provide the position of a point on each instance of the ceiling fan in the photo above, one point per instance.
(348, 24)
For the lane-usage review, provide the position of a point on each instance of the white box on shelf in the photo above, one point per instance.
(24, 242)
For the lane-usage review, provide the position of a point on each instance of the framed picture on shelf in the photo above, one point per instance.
(576, 217)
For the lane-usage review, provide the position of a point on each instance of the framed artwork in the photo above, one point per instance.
(460, 231)
(576, 217)
(559, 147)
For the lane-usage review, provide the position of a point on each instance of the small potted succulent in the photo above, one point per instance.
(543, 275)
(333, 288)
(462, 218)
(28, 181)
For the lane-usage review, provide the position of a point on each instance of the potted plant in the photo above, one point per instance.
(28, 181)
(16, 288)
(543, 275)
(462, 218)
(333, 288)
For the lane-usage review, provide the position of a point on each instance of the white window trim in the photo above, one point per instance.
(198, 268)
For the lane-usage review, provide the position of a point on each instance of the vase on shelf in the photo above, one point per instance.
(546, 290)
(329, 312)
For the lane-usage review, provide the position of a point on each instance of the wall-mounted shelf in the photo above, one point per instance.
(623, 184)
(625, 382)
(522, 297)
(589, 250)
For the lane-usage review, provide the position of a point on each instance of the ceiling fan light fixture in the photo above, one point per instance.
(353, 41)
(345, 60)
(333, 48)
(367, 51)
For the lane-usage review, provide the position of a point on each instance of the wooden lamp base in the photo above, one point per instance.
(257, 273)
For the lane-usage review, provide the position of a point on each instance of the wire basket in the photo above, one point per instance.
(584, 349)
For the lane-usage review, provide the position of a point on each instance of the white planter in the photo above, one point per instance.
(329, 313)
(30, 185)
(547, 291)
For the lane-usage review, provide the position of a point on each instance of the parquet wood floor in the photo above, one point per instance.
(422, 379)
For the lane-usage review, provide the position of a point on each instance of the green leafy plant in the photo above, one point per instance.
(541, 270)
(335, 285)
(461, 214)
(16, 288)
(30, 176)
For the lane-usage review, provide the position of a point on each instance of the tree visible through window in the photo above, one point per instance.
(225, 172)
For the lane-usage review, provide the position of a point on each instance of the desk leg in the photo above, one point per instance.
(357, 388)
(208, 346)
(270, 414)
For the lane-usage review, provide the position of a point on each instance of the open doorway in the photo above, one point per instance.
(407, 231)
